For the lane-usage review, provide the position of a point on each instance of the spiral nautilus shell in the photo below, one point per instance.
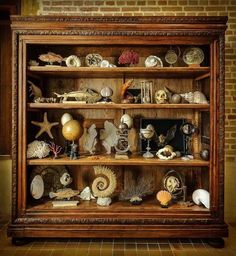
(105, 182)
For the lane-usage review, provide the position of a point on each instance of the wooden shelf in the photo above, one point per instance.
(88, 72)
(110, 160)
(148, 205)
(202, 107)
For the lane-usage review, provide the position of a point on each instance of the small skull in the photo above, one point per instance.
(161, 97)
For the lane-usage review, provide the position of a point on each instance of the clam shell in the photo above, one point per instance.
(37, 187)
(163, 197)
(106, 92)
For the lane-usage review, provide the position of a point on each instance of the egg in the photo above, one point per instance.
(65, 118)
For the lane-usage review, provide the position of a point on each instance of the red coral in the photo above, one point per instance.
(55, 149)
(128, 57)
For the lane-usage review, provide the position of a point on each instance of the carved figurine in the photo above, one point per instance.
(104, 184)
(45, 126)
(90, 140)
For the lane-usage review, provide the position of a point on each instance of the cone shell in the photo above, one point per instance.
(163, 197)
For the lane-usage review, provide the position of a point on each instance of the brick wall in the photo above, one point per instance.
(162, 7)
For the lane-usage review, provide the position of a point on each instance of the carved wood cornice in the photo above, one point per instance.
(118, 33)
(126, 19)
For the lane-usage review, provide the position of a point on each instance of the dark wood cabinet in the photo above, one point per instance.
(109, 36)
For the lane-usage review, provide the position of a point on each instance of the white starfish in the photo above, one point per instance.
(45, 126)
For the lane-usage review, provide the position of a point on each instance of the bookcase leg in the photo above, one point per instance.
(216, 242)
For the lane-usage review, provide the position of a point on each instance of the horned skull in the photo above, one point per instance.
(161, 97)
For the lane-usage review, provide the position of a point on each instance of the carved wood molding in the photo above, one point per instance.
(149, 221)
(126, 19)
(118, 32)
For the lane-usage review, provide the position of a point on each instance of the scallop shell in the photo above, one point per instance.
(164, 197)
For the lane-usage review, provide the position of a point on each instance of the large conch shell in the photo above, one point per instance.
(164, 198)
(196, 97)
(105, 184)
(201, 196)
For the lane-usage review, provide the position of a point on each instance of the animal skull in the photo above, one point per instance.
(161, 97)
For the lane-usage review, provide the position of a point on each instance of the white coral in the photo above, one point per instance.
(37, 149)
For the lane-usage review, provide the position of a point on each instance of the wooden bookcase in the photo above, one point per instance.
(109, 36)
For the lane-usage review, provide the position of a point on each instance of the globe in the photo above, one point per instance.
(72, 130)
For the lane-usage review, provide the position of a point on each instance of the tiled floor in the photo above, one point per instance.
(117, 247)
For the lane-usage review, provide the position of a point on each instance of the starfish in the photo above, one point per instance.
(45, 126)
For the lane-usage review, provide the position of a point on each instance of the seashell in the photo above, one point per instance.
(153, 61)
(37, 149)
(106, 92)
(201, 196)
(37, 187)
(65, 118)
(164, 198)
(73, 61)
(204, 154)
(105, 64)
(105, 184)
(127, 119)
(148, 132)
(195, 97)
(93, 60)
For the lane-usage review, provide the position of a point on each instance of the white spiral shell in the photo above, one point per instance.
(73, 61)
(105, 184)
